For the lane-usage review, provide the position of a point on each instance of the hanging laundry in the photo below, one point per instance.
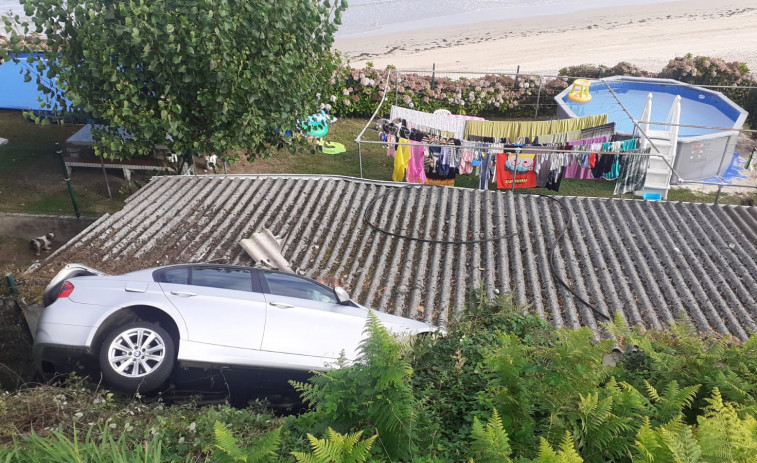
(554, 179)
(444, 170)
(542, 166)
(516, 167)
(447, 126)
(633, 173)
(401, 160)
(466, 157)
(531, 129)
(415, 172)
(484, 173)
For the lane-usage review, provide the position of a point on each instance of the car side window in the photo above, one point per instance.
(238, 279)
(178, 276)
(282, 284)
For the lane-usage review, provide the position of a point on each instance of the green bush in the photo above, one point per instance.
(538, 389)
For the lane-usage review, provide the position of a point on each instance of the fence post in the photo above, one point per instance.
(396, 87)
(517, 72)
(433, 75)
(360, 157)
(105, 175)
(538, 99)
(59, 152)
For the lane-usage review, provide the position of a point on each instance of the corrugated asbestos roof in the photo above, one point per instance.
(647, 260)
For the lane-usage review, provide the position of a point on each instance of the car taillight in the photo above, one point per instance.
(66, 290)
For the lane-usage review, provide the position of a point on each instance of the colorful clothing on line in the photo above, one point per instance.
(415, 172)
(401, 160)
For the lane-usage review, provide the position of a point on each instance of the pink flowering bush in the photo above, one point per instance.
(360, 90)
(701, 70)
(357, 92)
(592, 71)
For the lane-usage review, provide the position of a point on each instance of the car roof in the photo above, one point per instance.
(156, 270)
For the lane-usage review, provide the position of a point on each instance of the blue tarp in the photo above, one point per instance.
(734, 172)
(17, 94)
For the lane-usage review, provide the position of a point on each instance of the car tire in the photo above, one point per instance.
(137, 357)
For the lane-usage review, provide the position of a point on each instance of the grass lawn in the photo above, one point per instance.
(31, 177)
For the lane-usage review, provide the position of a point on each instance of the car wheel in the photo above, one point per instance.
(137, 356)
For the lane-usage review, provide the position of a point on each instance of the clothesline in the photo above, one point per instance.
(530, 148)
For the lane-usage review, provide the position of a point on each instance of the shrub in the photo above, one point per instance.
(357, 92)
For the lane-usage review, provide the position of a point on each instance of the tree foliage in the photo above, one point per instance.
(196, 76)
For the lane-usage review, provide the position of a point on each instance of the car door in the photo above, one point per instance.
(304, 318)
(218, 304)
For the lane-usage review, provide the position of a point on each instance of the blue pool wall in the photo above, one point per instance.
(699, 156)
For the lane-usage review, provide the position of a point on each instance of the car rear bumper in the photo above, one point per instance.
(52, 358)
(57, 345)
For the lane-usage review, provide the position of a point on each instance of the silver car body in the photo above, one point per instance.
(214, 326)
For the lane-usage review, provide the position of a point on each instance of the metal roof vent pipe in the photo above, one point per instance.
(265, 249)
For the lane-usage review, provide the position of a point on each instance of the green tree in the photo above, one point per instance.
(194, 75)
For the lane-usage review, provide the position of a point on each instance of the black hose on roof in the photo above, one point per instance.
(552, 247)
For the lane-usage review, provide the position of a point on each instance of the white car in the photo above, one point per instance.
(140, 325)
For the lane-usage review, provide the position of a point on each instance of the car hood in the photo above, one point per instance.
(401, 325)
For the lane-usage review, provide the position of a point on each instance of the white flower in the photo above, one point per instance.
(412, 105)
(192, 426)
(333, 98)
(181, 439)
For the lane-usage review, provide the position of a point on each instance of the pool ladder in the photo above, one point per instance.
(663, 145)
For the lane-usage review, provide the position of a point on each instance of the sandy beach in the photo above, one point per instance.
(647, 36)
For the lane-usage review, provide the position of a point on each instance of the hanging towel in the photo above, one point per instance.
(483, 176)
(401, 160)
(415, 172)
(633, 173)
(531, 129)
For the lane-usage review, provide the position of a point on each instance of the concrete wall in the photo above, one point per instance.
(33, 225)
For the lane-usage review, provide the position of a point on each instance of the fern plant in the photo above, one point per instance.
(673, 442)
(337, 448)
(226, 449)
(375, 394)
(669, 405)
(490, 444)
(566, 452)
(723, 435)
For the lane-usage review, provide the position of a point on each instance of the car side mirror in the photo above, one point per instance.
(342, 296)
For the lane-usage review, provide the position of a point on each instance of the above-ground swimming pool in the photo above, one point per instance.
(701, 153)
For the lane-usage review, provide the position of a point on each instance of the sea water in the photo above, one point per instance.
(376, 17)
